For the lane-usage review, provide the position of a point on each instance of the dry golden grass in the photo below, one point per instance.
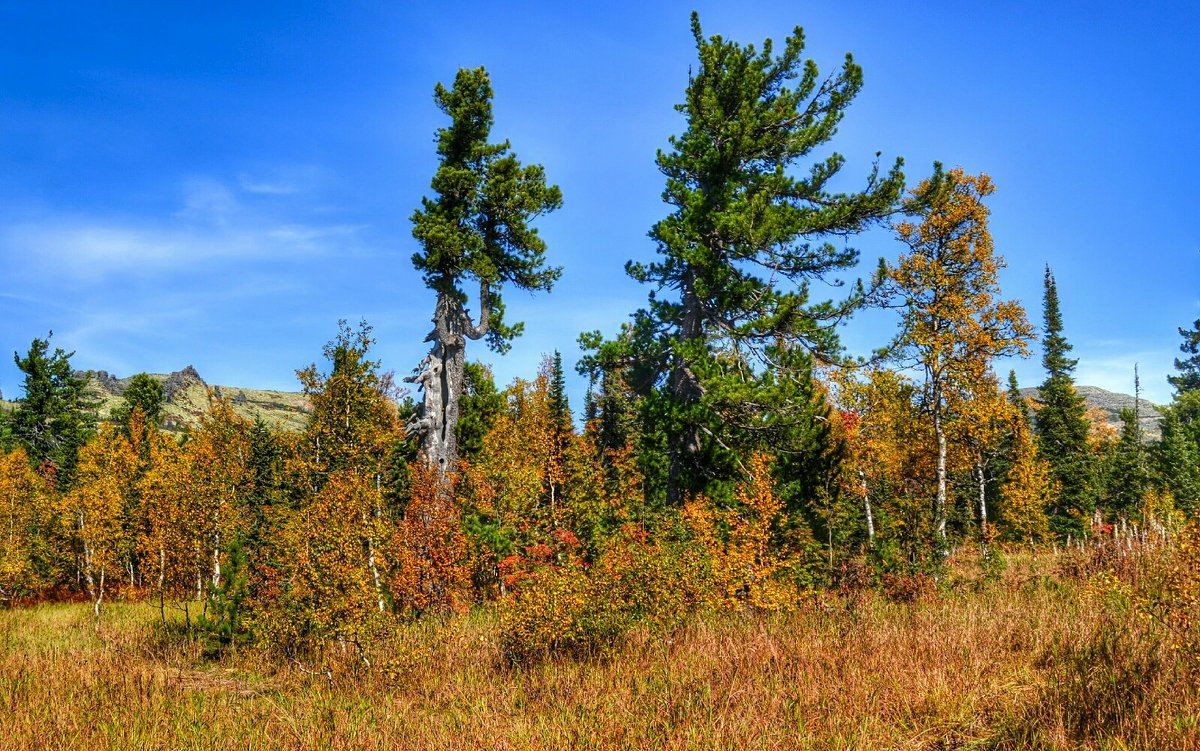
(1025, 662)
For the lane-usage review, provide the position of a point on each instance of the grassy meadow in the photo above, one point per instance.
(1053, 652)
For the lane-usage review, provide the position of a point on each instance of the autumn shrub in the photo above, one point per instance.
(915, 586)
(582, 610)
(431, 570)
(332, 578)
(750, 565)
(560, 611)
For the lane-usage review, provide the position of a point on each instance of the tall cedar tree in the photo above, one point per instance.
(954, 323)
(53, 420)
(746, 233)
(1062, 424)
(476, 230)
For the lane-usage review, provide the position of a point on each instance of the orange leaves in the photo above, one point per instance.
(432, 571)
(1028, 490)
(949, 282)
(747, 568)
(23, 505)
(96, 508)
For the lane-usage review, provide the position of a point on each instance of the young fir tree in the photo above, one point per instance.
(561, 430)
(749, 229)
(560, 408)
(476, 230)
(1018, 401)
(1128, 476)
(1062, 425)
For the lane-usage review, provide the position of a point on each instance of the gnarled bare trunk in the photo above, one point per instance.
(685, 388)
(441, 376)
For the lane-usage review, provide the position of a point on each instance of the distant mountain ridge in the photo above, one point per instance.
(1111, 403)
(186, 394)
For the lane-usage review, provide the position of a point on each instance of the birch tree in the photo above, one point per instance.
(105, 479)
(953, 324)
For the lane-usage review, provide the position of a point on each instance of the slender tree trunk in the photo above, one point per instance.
(369, 543)
(939, 501)
(216, 558)
(981, 482)
(866, 495)
(99, 598)
(162, 581)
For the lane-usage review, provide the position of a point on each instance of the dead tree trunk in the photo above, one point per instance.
(687, 390)
(441, 377)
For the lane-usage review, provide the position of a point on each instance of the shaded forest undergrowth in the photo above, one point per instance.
(1092, 648)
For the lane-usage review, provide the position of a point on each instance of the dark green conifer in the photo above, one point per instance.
(481, 404)
(144, 393)
(1127, 476)
(55, 417)
(749, 229)
(1062, 424)
(1189, 367)
(477, 229)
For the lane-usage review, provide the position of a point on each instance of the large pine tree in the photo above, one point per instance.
(1062, 423)
(749, 229)
(476, 230)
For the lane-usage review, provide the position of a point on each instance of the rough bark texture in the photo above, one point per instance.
(441, 377)
(687, 390)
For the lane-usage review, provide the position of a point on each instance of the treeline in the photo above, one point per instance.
(728, 455)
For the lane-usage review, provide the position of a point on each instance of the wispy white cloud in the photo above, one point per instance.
(207, 201)
(280, 181)
(213, 225)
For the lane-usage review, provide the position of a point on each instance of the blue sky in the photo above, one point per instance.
(219, 185)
